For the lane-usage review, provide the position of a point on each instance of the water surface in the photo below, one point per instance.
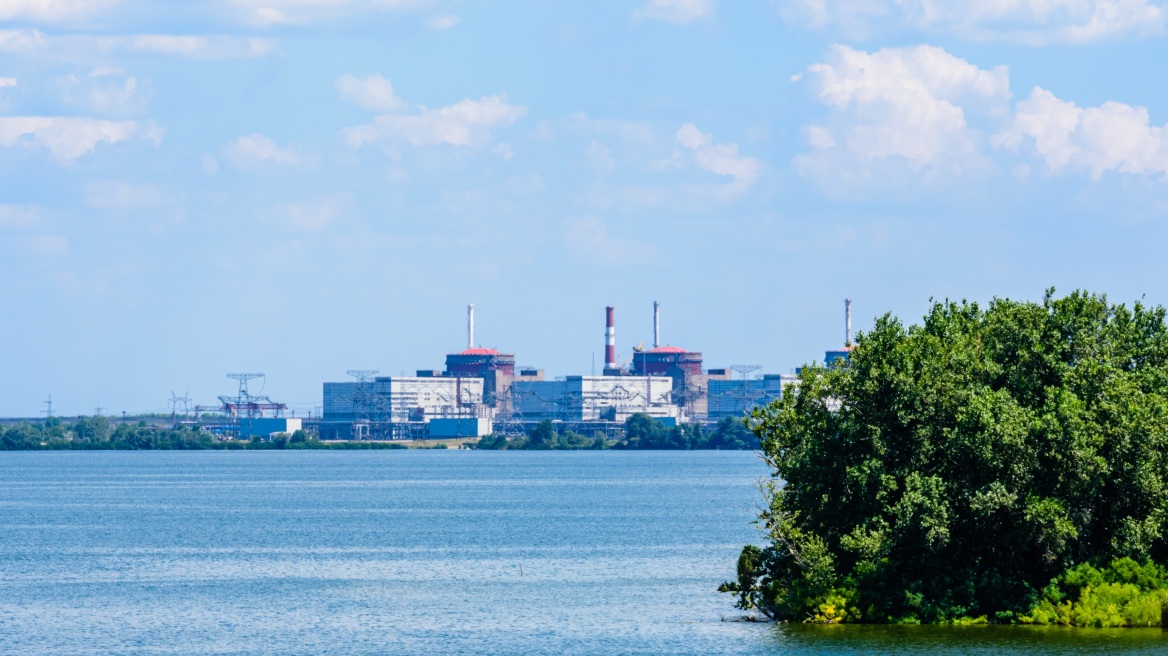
(410, 552)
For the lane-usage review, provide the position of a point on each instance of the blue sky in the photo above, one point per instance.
(301, 187)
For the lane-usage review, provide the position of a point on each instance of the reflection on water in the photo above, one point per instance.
(410, 552)
(836, 639)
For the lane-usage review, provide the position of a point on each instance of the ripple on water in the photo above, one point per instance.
(410, 553)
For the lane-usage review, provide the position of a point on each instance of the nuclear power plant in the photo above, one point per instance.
(482, 391)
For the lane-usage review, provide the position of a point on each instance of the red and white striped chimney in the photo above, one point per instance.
(609, 340)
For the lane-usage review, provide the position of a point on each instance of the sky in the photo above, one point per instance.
(190, 188)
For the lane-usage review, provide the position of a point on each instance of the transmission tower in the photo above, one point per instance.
(175, 401)
(246, 403)
(243, 378)
(362, 402)
(48, 411)
(744, 370)
(363, 375)
(746, 395)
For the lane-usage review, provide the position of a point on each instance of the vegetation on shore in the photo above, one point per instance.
(1002, 464)
(98, 433)
(641, 432)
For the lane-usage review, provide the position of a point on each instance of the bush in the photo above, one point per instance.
(1125, 593)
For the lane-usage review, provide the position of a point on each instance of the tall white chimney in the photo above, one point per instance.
(656, 324)
(470, 325)
(609, 341)
(847, 322)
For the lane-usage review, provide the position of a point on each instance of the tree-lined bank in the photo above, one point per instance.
(1006, 463)
(641, 432)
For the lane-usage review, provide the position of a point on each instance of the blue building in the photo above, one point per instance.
(736, 398)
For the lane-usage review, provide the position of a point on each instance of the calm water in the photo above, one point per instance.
(410, 553)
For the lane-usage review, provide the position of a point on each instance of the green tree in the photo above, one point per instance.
(543, 436)
(956, 468)
(491, 442)
(731, 434)
(643, 432)
(92, 429)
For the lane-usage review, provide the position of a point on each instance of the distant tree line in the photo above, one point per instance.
(98, 433)
(641, 432)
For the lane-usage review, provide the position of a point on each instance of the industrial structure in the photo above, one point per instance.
(832, 357)
(388, 407)
(244, 415)
(735, 398)
(577, 399)
(482, 390)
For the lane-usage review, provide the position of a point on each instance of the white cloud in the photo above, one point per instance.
(600, 157)
(309, 215)
(1024, 21)
(53, 11)
(588, 239)
(18, 216)
(256, 149)
(198, 47)
(302, 12)
(465, 123)
(675, 11)
(373, 93)
(7, 82)
(919, 114)
(70, 137)
(633, 132)
(504, 150)
(122, 196)
(106, 91)
(904, 107)
(21, 41)
(721, 159)
(46, 245)
(442, 21)
(1112, 137)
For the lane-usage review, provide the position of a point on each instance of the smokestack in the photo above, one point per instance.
(470, 325)
(609, 340)
(656, 324)
(847, 322)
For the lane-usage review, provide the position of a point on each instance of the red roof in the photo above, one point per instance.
(480, 351)
(667, 349)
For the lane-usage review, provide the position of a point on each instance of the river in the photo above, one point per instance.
(412, 552)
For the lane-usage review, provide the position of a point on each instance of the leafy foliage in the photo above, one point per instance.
(1125, 593)
(955, 469)
(642, 432)
(99, 433)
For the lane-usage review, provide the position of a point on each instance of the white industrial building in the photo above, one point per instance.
(594, 398)
(403, 399)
